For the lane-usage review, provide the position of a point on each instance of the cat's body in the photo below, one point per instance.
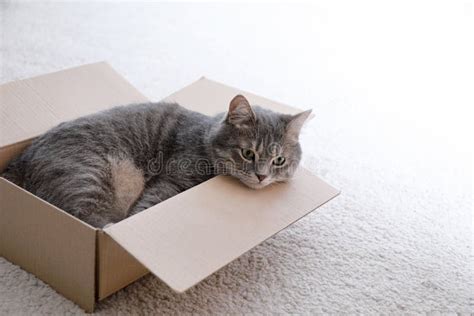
(104, 167)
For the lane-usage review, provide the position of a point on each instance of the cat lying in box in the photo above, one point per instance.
(107, 166)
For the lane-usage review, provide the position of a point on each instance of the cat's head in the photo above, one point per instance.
(256, 145)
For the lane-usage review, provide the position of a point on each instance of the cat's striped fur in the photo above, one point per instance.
(104, 167)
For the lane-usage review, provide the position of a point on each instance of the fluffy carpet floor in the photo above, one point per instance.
(390, 85)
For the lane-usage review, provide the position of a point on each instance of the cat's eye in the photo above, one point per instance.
(248, 154)
(279, 161)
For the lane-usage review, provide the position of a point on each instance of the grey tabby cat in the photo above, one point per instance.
(104, 167)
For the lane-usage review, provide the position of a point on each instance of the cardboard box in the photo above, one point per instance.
(181, 240)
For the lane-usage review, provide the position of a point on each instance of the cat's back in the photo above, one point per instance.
(132, 122)
(123, 130)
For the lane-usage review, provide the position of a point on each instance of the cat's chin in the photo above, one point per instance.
(255, 186)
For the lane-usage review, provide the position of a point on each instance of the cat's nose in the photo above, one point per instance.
(261, 177)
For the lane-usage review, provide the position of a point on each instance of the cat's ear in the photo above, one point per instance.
(295, 124)
(240, 112)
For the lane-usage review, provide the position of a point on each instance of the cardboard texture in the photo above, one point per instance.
(53, 245)
(116, 268)
(32, 106)
(181, 241)
(210, 97)
(212, 224)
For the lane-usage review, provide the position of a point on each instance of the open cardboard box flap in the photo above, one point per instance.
(30, 107)
(181, 240)
(190, 236)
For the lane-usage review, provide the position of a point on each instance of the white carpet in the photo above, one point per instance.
(390, 85)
